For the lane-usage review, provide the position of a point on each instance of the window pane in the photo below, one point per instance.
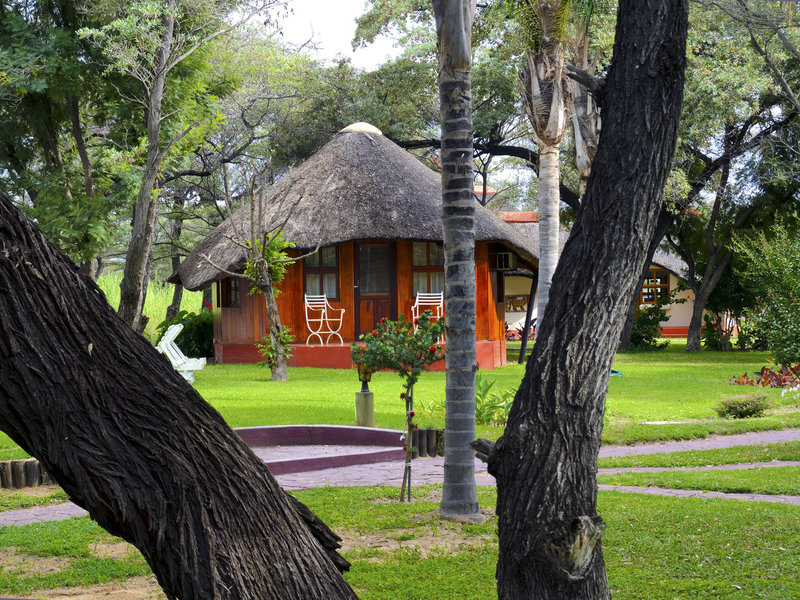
(328, 257)
(374, 270)
(312, 260)
(437, 281)
(329, 285)
(420, 282)
(437, 255)
(648, 296)
(312, 284)
(420, 254)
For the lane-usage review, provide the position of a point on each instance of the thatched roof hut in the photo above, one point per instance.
(359, 186)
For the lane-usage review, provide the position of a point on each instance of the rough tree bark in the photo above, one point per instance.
(130, 441)
(454, 30)
(546, 461)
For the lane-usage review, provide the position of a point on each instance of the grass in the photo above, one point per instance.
(768, 480)
(669, 385)
(13, 500)
(72, 540)
(700, 458)
(655, 548)
(159, 297)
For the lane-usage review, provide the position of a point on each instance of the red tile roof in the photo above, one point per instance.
(519, 216)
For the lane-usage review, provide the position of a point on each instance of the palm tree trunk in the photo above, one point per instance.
(548, 223)
(454, 28)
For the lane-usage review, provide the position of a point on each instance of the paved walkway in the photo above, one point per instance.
(431, 470)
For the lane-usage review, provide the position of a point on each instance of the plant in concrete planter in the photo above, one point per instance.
(408, 349)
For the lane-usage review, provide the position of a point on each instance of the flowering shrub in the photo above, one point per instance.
(399, 347)
(408, 349)
(742, 407)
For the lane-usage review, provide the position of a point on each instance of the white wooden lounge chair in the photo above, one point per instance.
(432, 302)
(181, 363)
(322, 318)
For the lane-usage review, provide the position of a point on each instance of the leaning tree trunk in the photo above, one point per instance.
(130, 441)
(454, 29)
(546, 461)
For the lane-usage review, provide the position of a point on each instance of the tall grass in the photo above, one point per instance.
(159, 297)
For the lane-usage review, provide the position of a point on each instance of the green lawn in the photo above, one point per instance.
(668, 385)
(769, 480)
(655, 548)
(700, 458)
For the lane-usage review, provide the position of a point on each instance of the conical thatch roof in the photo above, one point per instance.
(359, 186)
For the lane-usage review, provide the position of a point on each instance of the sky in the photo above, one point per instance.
(332, 25)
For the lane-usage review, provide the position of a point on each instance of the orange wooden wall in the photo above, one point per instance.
(246, 324)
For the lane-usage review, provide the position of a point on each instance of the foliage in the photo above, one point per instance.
(197, 336)
(273, 256)
(744, 406)
(267, 349)
(750, 336)
(781, 377)
(491, 408)
(773, 270)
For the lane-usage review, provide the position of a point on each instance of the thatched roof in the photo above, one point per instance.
(359, 186)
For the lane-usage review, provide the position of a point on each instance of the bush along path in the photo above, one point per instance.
(430, 471)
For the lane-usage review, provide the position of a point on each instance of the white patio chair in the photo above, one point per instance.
(322, 319)
(433, 302)
(180, 362)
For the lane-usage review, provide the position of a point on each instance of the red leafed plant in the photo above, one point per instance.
(777, 377)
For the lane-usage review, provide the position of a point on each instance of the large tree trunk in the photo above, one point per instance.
(454, 29)
(546, 461)
(130, 441)
(133, 286)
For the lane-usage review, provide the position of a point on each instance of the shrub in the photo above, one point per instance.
(197, 337)
(267, 350)
(773, 271)
(647, 328)
(491, 408)
(742, 407)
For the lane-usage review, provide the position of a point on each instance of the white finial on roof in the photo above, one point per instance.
(363, 128)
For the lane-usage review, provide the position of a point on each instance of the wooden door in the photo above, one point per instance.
(375, 285)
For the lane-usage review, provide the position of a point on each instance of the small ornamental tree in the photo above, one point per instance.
(408, 349)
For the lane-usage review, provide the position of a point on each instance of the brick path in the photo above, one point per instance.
(430, 470)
